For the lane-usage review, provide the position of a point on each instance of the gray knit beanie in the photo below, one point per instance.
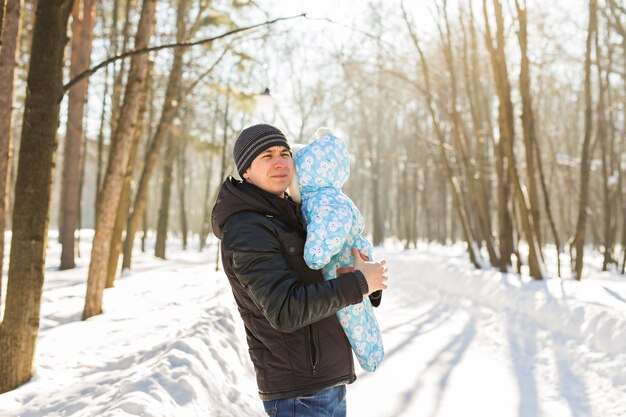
(254, 140)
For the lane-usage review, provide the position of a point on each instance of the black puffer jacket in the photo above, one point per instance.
(295, 341)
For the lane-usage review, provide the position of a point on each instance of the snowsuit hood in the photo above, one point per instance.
(332, 168)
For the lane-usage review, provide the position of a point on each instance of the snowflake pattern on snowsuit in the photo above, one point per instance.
(334, 226)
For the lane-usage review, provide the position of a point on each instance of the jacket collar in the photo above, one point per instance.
(236, 195)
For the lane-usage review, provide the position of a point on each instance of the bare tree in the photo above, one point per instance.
(118, 162)
(605, 137)
(168, 113)
(83, 16)
(473, 176)
(166, 192)
(472, 248)
(507, 137)
(528, 119)
(119, 76)
(585, 165)
(209, 199)
(118, 80)
(125, 197)
(20, 326)
(505, 223)
(616, 15)
(181, 175)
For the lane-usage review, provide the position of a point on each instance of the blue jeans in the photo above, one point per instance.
(330, 402)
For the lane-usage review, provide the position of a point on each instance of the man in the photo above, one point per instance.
(300, 353)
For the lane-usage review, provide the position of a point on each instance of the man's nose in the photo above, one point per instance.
(280, 161)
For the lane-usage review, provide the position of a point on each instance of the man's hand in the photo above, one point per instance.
(376, 273)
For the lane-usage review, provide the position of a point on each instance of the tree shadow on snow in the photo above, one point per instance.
(442, 364)
(523, 354)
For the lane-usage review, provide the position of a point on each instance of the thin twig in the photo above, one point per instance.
(94, 69)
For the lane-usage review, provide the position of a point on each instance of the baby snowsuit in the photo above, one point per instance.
(334, 225)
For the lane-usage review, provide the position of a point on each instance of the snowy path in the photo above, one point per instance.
(458, 342)
(455, 348)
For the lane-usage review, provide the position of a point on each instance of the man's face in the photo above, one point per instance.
(271, 170)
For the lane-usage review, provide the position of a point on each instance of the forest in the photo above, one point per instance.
(497, 123)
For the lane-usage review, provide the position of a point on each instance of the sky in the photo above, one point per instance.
(458, 341)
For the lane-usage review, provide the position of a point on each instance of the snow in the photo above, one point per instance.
(459, 341)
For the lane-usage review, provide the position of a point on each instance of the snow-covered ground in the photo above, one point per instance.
(459, 342)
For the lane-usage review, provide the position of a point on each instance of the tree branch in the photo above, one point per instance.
(193, 85)
(94, 69)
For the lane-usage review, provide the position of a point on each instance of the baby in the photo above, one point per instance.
(334, 226)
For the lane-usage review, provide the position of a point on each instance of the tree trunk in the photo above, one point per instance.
(378, 223)
(546, 200)
(528, 122)
(100, 152)
(125, 198)
(118, 162)
(144, 234)
(609, 191)
(169, 111)
(616, 22)
(81, 183)
(182, 179)
(166, 192)
(20, 327)
(112, 51)
(623, 268)
(585, 165)
(471, 83)
(8, 63)
(205, 226)
(403, 191)
(505, 223)
(83, 17)
(118, 83)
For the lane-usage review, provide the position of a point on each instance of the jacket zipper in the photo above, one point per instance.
(313, 352)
